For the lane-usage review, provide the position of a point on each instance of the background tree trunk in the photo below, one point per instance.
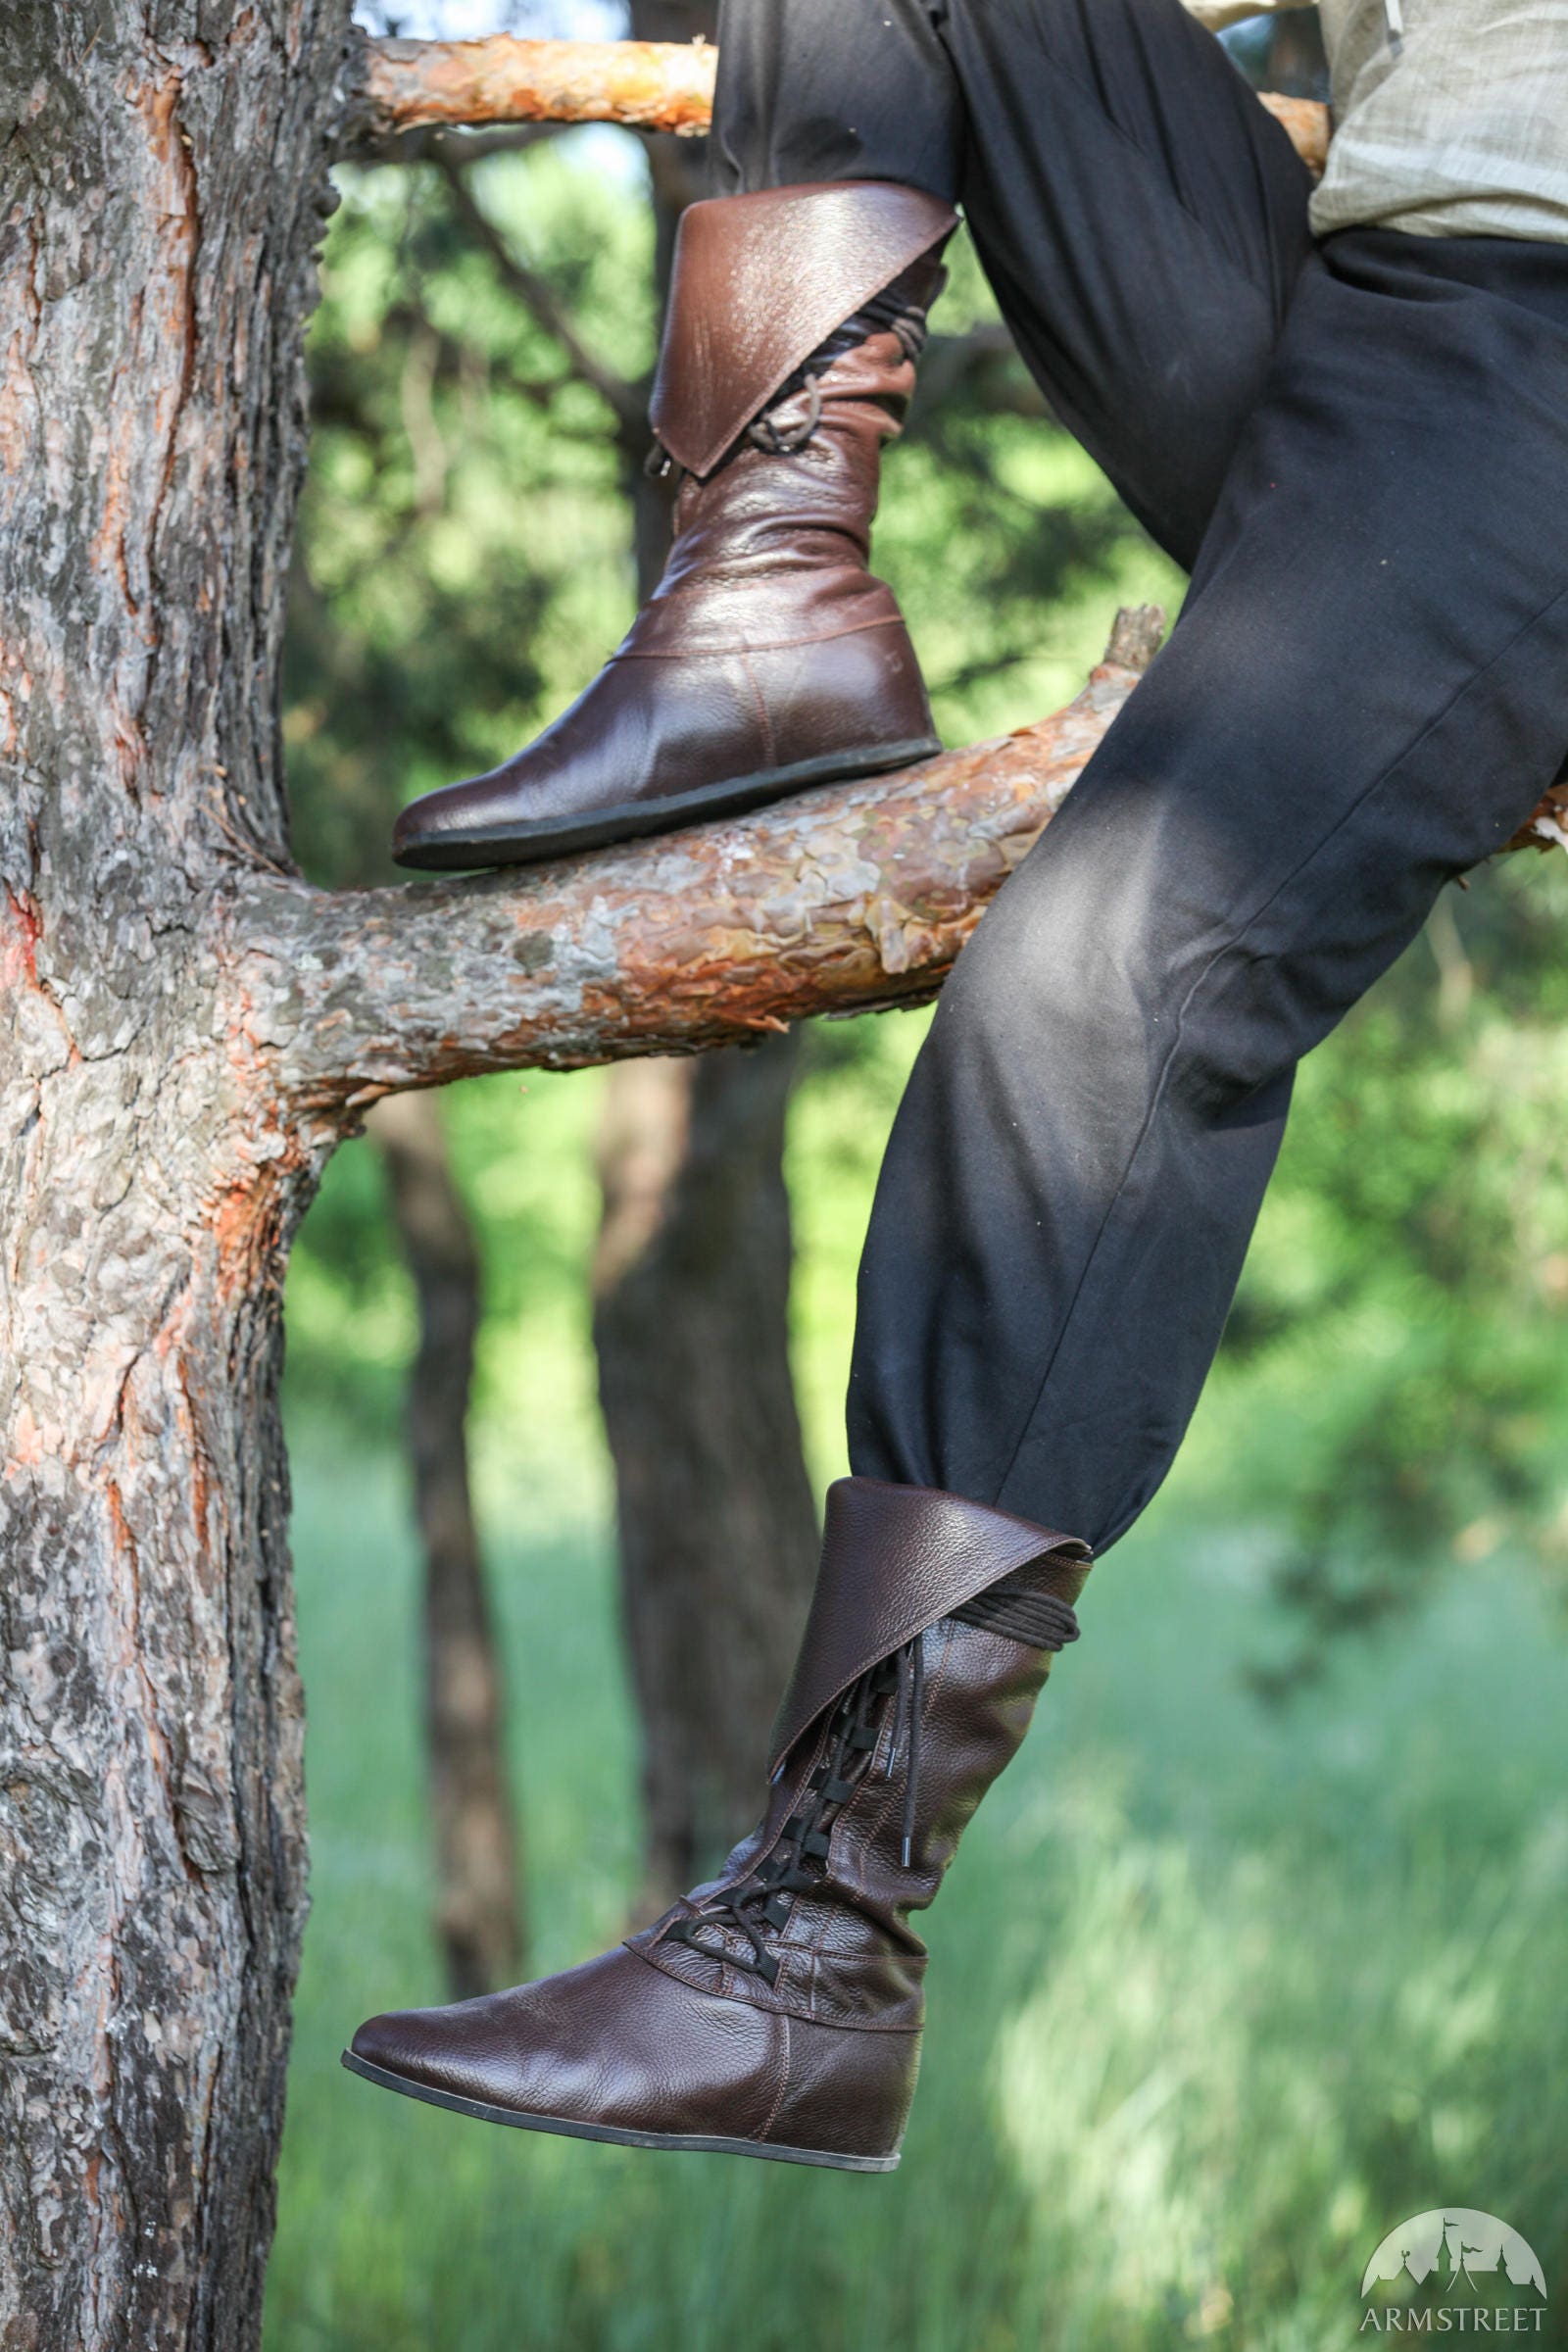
(478, 1913)
(717, 1518)
(717, 1526)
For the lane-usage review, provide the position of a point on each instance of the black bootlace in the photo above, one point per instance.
(760, 1905)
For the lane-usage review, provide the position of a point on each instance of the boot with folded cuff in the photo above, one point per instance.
(777, 2011)
(769, 659)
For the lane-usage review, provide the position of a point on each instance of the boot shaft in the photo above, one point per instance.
(888, 1764)
(760, 283)
(807, 497)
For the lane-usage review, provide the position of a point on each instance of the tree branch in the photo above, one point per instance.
(850, 899)
(649, 85)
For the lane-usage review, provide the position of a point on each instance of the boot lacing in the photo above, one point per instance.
(781, 441)
(797, 1864)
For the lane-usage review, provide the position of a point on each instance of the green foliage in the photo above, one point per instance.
(1218, 1998)
(1395, 1381)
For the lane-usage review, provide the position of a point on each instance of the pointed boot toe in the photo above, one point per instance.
(455, 828)
(777, 2011)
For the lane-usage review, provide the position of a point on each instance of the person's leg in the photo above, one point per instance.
(1140, 216)
(1365, 695)
(1144, 290)
(777, 2011)
(811, 91)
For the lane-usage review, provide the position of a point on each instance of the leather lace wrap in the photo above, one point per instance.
(895, 1559)
(760, 283)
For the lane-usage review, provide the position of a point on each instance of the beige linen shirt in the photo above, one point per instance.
(1450, 116)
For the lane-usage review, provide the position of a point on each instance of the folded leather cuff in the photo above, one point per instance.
(758, 282)
(894, 1560)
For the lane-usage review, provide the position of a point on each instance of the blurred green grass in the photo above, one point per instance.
(1218, 1996)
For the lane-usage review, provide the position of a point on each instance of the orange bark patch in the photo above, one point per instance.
(656, 85)
(21, 929)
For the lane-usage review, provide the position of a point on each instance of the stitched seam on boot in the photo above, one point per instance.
(784, 2076)
(769, 745)
(772, 645)
(742, 1992)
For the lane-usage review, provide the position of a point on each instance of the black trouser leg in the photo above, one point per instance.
(833, 89)
(1367, 690)
(1140, 216)
(1367, 693)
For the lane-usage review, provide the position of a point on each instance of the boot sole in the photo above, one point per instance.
(529, 841)
(691, 2143)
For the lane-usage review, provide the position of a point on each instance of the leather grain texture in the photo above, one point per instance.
(758, 281)
(668, 2037)
(894, 1560)
(613, 2041)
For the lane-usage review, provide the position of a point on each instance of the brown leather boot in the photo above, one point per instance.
(777, 2011)
(769, 659)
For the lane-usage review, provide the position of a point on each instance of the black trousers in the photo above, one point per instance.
(1360, 450)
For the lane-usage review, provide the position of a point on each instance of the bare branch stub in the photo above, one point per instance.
(647, 85)
(1307, 123)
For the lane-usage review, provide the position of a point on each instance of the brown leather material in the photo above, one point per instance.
(619, 2044)
(758, 281)
(768, 657)
(665, 2039)
(611, 2042)
(849, 1956)
(894, 1560)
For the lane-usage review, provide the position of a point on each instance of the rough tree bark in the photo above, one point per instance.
(153, 282)
(478, 1909)
(405, 85)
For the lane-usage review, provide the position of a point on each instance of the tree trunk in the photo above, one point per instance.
(478, 1910)
(154, 285)
(717, 1518)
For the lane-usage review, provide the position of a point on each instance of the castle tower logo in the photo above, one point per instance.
(1453, 2272)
